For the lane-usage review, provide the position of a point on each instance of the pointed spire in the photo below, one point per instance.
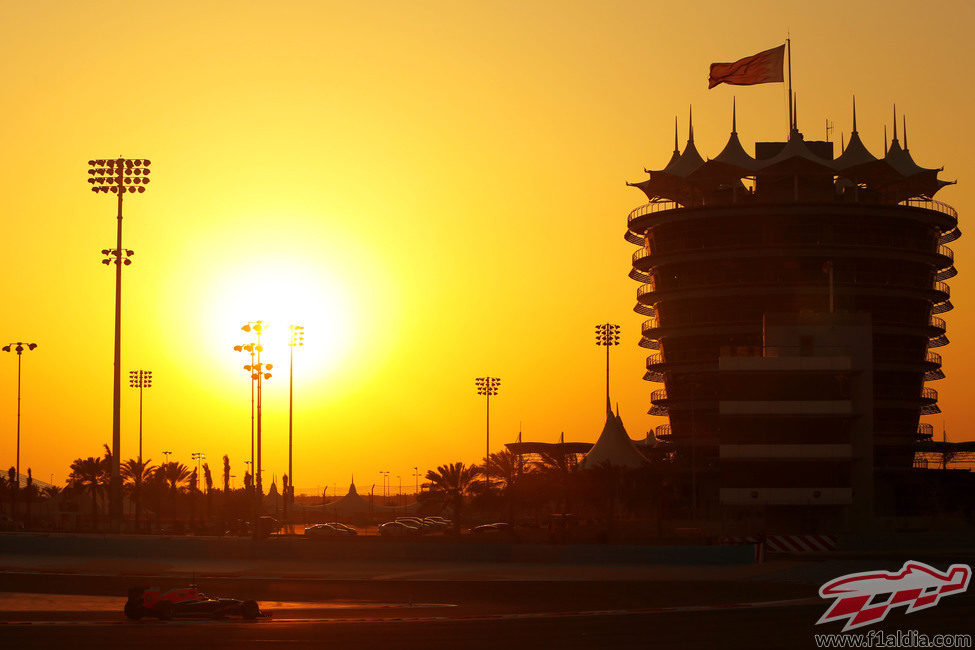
(734, 116)
(885, 139)
(609, 407)
(617, 409)
(842, 145)
(895, 121)
(904, 117)
(676, 146)
(690, 125)
(854, 113)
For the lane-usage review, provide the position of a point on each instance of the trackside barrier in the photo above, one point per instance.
(365, 549)
(783, 544)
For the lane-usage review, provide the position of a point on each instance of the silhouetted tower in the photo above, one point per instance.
(726, 242)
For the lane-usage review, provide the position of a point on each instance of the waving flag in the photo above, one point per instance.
(762, 68)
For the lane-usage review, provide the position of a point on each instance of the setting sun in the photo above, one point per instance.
(288, 292)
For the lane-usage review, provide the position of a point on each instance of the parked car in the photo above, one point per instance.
(486, 530)
(416, 522)
(324, 530)
(349, 530)
(397, 529)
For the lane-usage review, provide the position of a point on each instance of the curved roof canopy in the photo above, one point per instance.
(690, 180)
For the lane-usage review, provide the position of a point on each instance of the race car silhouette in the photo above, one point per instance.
(185, 601)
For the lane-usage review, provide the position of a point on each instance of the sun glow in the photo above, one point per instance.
(292, 293)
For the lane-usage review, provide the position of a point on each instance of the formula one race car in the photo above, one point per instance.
(185, 601)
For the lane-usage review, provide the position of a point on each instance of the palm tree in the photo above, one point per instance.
(557, 468)
(208, 482)
(30, 493)
(89, 473)
(452, 484)
(136, 472)
(13, 481)
(504, 471)
(52, 491)
(174, 474)
(226, 474)
(157, 489)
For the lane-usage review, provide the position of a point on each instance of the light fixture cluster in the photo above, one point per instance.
(258, 369)
(119, 175)
(18, 347)
(140, 378)
(607, 334)
(487, 385)
(297, 336)
(113, 254)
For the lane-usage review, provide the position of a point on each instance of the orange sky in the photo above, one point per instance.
(435, 189)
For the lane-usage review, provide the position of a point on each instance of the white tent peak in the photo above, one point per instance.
(614, 446)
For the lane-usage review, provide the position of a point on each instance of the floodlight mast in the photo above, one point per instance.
(297, 340)
(18, 347)
(608, 335)
(118, 176)
(140, 379)
(487, 386)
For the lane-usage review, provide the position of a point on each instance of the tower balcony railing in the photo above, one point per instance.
(729, 316)
(662, 431)
(950, 236)
(706, 355)
(659, 395)
(651, 208)
(925, 430)
(645, 310)
(945, 251)
(942, 307)
(929, 394)
(931, 204)
(788, 238)
(649, 343)
(639, 276)
(647, 287)
(652, 323)
(693, 280)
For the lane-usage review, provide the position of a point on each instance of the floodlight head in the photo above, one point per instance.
(238, 348)
(268, 366)
(246, 328)
(267, 375)
(106, 262)
(6, 348)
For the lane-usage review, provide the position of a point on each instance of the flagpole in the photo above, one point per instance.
(788, 48)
